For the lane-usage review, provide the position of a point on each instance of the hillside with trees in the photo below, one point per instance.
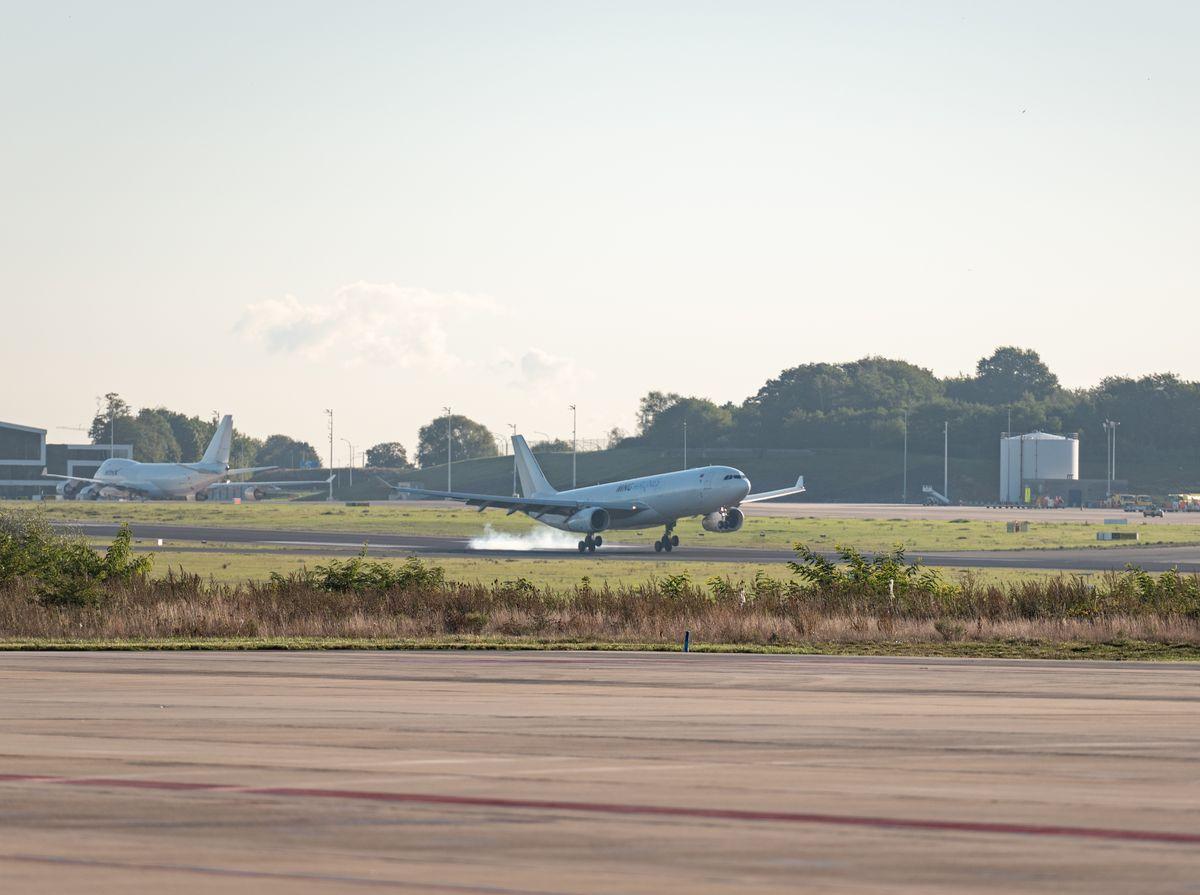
(862, 405)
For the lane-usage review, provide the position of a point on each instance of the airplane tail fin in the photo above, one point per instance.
(218, 448)
(533, 480)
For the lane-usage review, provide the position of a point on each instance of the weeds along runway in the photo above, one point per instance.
(595, 772)
(1150, 558)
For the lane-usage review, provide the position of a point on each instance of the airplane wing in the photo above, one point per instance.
(133, 489)
(798, 488)
(534, 506)
(315, 483)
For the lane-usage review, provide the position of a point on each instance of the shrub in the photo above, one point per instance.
(61, 565)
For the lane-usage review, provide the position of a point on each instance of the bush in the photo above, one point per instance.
(62, 566)
(358, 574)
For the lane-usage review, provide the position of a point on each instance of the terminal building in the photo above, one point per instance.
(25, 455)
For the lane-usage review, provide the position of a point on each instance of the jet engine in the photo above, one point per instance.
(724, 520)
(70, 488)
(201, 495)
(589, 519)
(253, 494)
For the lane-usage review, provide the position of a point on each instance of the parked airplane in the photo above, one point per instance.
(118, 477)
(714, 492)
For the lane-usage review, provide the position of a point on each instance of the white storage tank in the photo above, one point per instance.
(1037, 456)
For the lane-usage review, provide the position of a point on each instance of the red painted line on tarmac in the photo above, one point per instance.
(634, 810)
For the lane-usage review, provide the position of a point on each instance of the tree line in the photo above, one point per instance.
(159, 435)
(864, 404)
(859, 404)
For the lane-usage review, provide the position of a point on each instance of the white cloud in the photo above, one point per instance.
(540, 370)
(365, 323)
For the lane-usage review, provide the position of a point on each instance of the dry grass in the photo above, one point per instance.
(191, 608)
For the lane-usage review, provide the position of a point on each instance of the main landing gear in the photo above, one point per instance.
(668, 541)
(590, 543)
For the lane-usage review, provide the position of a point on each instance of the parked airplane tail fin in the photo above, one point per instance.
(218, 448)
(533, 480)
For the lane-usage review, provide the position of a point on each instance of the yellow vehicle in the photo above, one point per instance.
(1132, 501)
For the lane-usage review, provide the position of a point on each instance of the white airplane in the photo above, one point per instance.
(118, 477)
(714, 492)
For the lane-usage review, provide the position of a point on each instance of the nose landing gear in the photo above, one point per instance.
(590, 543)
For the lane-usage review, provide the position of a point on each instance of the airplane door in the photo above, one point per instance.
(706, 481)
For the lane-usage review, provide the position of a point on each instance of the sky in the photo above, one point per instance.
(271, 209)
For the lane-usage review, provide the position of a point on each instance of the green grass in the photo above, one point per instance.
(768, 532)
(1132, 650)
(229, 566)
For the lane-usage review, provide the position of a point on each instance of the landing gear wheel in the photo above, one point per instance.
(599, 541)
(582, 546)
(674, 541)
(658, 546)
(591, 548)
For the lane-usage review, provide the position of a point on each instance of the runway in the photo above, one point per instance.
(1150, 558)
(595, 773)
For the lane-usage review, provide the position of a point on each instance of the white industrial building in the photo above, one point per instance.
(1040, 465)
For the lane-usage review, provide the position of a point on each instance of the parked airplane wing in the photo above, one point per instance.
(299, 483)
(782, 492)
(246, 469)
(134, 489)
(535, 506)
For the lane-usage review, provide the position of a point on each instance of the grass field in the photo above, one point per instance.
(763, 532)
(230, 564)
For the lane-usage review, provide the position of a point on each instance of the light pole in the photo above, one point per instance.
(904, 487)
(946, 462)
(449, 449)
(574, 444)
(685, 444)
(330, 413)
(351, 446)
(1110, 431)
(513, 426)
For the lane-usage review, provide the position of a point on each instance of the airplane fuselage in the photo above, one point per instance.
(161, 480)
(663, 498)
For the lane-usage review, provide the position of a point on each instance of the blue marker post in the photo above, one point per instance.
(687, 640)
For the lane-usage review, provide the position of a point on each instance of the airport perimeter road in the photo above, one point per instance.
(594, 773)
(1152, 559)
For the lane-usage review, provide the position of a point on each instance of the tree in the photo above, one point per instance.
(388, 455)
(469, 439)
(150, 434)
(1011, 373)
(614, 437)
(550, 446)
(651, 406)
(707, 424)
(187, 432)
(115, 416)
(281, 450)
(153, 441)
